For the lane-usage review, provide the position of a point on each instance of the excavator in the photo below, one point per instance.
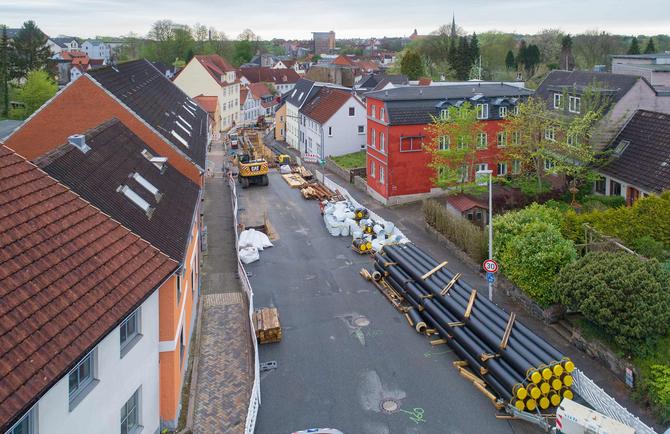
(251, 170)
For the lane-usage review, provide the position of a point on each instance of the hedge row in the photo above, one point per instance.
(456, 229)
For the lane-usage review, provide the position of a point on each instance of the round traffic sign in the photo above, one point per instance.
(490, 266)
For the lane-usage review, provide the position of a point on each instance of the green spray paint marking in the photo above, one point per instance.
(416, 415)
(373, 333)
(430, 354)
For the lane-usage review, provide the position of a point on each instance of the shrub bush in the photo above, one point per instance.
(533, 257)
(458, 230)
(608, 201)
(507, 226)
(625, 295)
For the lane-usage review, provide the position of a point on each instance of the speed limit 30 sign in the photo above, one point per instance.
(490, 266)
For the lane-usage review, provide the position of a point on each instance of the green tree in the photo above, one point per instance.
(651, 48)
(4, 71)
(510, 63)
(30, 49)
(453, 146)
(38, 88)
(634, 46)
(474, 48)
(511, 224)
(533, 259)
(624, 295)
(243, 52)
(567, 60)
(411, 65)
(463, 60)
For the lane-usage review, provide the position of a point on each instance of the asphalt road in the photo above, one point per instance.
(345, 349)
(7, 126)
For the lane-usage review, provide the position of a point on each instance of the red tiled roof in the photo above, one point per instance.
(259, 90)
(288, 63)
(463, 202)
(425, 81)
(368, 66)
(343, 60)
(269, 75)
(208, 103)
(69, 275)
(215, 65)
(325, 103)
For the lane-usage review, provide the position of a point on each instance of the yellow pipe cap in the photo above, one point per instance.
(556, 384)
(567, 380)
(558, 369)
(555, 399)
(520, 405)
(534, 391)
(547, 374)
(567, 393)
(569, 366)
(545, 387)
(536, 377)
(531, 404)
(544, 403)
(521, 393)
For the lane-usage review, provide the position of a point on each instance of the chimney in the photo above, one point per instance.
(79, 142)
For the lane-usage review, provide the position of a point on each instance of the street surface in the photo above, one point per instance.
(345, 349)
(7, 126)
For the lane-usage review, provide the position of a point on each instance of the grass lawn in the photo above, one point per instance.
(351, 161)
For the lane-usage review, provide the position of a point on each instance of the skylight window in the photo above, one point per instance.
(159, 162)
(184, 121)
(136, 199)
(178, 137)
(183, 128)
(621, 147)
(145, 183)
(188, 110)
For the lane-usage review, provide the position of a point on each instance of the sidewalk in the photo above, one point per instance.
(409, 219)
(224, 369)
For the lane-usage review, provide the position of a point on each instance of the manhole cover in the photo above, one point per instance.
(361, 321)
(389, 406)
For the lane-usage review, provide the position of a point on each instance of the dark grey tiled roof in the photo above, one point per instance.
(457, 91)
(616, 85)
(115, 154)
(645, 162)
(302, 87)
(147, 92)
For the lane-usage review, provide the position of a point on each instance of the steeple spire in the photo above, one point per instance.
(453, 25)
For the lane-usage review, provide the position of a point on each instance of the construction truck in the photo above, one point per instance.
(251, 170)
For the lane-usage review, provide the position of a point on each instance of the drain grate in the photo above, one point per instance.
(389, 406)
(361, 321)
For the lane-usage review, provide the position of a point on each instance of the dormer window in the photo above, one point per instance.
(621, 147)
(444, 114)
(502, 112)
(558, 101)
(575, 105)
(482, 111)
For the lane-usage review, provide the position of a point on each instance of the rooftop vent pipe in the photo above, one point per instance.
(79, 142)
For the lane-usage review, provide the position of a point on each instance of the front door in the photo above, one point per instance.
(632, 194)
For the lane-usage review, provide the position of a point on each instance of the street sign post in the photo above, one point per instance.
(490, 266)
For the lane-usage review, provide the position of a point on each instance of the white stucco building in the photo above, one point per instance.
(332, 123)
(211, 75)
(97, 49)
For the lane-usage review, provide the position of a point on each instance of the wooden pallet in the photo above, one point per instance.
(316, 191)
(266, 321)
(305, 173)
(294, 181)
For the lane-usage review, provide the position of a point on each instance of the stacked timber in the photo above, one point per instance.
(305, 173)
(317, 191)
(266, 322)
(520, 367)
(294, 180)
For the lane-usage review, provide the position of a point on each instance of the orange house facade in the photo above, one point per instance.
(88, 108)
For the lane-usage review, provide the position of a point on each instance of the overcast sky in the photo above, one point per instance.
(348, 18)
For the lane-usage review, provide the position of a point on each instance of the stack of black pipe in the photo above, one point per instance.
(528, 372)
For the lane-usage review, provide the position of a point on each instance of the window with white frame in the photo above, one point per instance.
(558, 101)
(373, 138)
(444, 114)
(411, 143)
(80, 377)
(382, 142)
(550, 134)
(178, 287)
(352, 111)
(515, 111)
(330, 131)
(182, 347)
(482, 141)
(444, 142)
(373, 111)
(382, 113)
(516, 138)
(482, 111)
(461, 142)
(130, 415)
(502, 139)
(463, 173)
(516, 167)
(381, 174)
(361, 129)
(372, 169)
(129, 331)
(502, 112)
(482, 166)
(501, 169)
(27, 424)
(575, 105)
(548, 164)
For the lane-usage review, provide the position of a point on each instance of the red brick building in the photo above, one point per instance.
(397, 164)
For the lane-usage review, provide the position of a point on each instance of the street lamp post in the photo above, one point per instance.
(490, 220)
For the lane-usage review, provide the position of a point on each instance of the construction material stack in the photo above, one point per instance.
(266, 322)
(522, 369)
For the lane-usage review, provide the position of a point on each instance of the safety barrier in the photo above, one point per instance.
(605, 404)
(255, 399)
